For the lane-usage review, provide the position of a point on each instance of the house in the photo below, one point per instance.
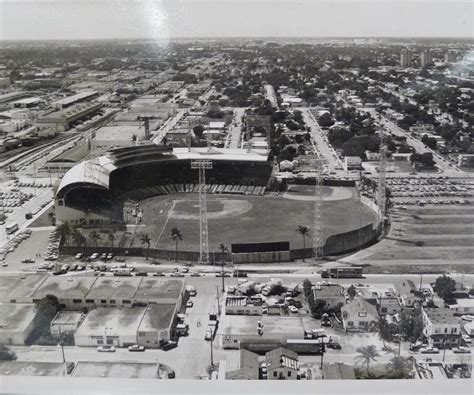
(359, 315)
(332, 294)
(338, 371)
(407, 291)
(462, 306)
(372, 155)
(282, 364)
(441, 327)
(352, 163)
(242, 365)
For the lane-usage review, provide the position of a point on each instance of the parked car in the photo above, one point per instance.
(106, 349)
(466, 338)
(189, 304)
(136, 347)
(158, 274)
(169, 345)
(462, 350)
(79, 255)
(429, 350)
(195, 274)
(28, 260)
(293, 309)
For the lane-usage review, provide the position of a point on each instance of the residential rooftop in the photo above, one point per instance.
(23, 368)
(441, 315)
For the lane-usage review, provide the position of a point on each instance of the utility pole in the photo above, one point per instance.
(421, 280)
(61, 343)
(323, 350)
(218, 303)
(318, 236)
(202, 165)
(222, 274)
(212, 350)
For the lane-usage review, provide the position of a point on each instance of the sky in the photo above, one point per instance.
(164, 19)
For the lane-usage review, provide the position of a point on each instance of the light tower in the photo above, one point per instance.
(318, 236)
(201, 166)
(381, 198)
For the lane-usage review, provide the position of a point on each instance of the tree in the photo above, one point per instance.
(145, 239)
(45, 310)
(111, 238)
(366, 355)
(445, 287)
(387, 331)
(6, 354)
(78, 237)
(95, 237)
(352, 291)
(176, 236)
(399, 366)
(65, 232)
(303, 230)
(198, 131)
(326, 120)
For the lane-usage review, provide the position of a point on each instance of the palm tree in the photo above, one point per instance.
(78, 237)
(303, 230)
(398, 365)
(145, 239)
(176, 236)
(64, 232)
(111, 238)
(95, 237)
(367, 354)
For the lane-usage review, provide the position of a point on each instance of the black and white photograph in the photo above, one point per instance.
(236, 196)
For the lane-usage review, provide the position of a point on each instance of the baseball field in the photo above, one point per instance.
(242, 219)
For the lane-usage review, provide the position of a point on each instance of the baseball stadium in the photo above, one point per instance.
(151, 189)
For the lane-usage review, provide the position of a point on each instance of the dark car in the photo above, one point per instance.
(169, 345)
(141, 274)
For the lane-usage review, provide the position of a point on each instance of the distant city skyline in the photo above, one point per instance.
(162, 20)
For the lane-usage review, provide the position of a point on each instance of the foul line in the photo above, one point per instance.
(166, 223)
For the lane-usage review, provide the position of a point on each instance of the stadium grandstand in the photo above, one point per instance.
(93, 191)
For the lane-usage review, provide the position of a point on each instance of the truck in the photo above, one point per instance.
(343, 272)
(191, 290)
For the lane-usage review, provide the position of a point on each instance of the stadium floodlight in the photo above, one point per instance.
(202, 165)
(318, 236)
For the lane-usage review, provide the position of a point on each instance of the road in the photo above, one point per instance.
(323, 148)
(421, 148)
(270, 95)
(234, 135)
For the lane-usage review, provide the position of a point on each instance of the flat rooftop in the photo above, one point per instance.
(73, 155)
(74, 98)
(17, 368)
(247, 325)
(65, 317)
(157, 317)
(114, 288)
(115, 321)
(16, 317)
(17, 287)
(122, 132)
(70, 287)
(116, 370)
(234, 154)
(159, 289)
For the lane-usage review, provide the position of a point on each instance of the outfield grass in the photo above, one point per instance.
(265, 219)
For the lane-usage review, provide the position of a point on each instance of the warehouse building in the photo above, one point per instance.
(236, 328)
(111, 326)
(78, 98)
(20, 288)
(157, 325)
(16, 323)
(113, 291)
(62, 120)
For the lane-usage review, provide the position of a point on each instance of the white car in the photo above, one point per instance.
(106, 349)
(462, 350)
(189, 303)
(293, 309)
(466, 338)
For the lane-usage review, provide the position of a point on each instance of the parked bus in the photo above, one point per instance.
(299, 346)
(343, 272)
(11, 228)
